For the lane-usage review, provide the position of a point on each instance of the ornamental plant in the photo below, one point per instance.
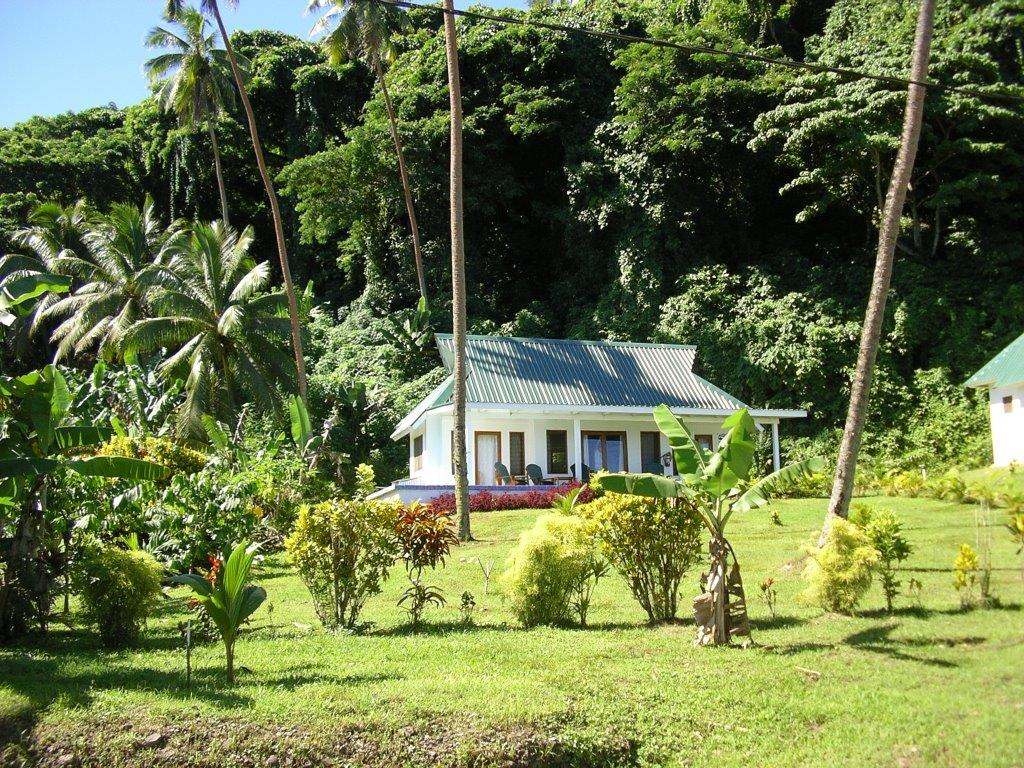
(119, 591)
(653, 543)
(229, 599)
(425, 538)
(965, 574)
(343, 551)
(552, 572)
(839, 573)
(885, 532)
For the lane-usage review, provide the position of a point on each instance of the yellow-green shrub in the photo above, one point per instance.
(176, 457)
(552, 571)
(839, 573)
(343, 550)
(652, 543)
(119, 590)
(909, 484)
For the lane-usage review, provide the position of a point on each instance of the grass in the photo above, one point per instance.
(930, 685)
(1002, 480)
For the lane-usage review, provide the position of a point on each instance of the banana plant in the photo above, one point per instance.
(714, 484)
(228, 598)
(37, 443)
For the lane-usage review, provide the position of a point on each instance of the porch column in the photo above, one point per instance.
(776, 459)
(577, 439)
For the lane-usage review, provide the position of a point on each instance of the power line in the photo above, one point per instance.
(705, 49)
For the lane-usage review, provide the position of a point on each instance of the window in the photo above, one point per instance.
(650, 451)
(704, 441)
(558, 452)
(516, 453)
(1008, 404)
(417, 453)
(605, 450)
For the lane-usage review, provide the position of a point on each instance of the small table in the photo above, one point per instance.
(557, 479)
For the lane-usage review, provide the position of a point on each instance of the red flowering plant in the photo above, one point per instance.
(425, 537)
(537, 497)
(203, 629)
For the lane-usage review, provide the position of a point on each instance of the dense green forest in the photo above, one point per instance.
(615, 191)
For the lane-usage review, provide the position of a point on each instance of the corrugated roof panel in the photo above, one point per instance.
(1004, 369)
(517, 371)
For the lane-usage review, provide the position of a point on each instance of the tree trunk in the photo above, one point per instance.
(842, 488)
(721, 611)
(458, 275)
(219, 173)
(275, 209)
(406, 188)
(229, 649)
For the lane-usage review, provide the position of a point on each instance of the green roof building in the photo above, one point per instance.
(1003, 377)
(551, 410)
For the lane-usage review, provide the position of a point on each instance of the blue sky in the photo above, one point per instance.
(60, 55)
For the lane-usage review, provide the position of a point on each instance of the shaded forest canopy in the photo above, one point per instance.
(622, 192)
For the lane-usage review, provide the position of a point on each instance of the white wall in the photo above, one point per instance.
(438, 425)
(1007, 428)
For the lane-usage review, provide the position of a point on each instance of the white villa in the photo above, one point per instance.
(564, 407)
(1003, 377)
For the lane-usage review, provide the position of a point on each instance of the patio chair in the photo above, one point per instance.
(586, 472)
(501, 474)
(535, 474)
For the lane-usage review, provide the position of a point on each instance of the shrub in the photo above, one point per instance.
(948, 486)
(652, 543)
(839, 573)
(343, 550)
(553, 570)
(201, 515)
(965, 574)
(885, 532)
(119, 590)
(537, 497)
(425, 538)
(908, 484)
(176, 457)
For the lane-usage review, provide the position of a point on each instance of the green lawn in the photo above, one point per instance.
(930, 686)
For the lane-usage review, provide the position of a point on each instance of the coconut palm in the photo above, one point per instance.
(51, 246)
(458, 273)
(173, 10)
(221, 330)
(193, 80)
(125, 255)
(846, 465)
(362, 29)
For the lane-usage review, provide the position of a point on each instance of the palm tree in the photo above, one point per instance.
(193, 81)
(52, 243)
(173, 9)
(458, 273)
(363, 29)
(846, 465)
(125, 255)
(221, 330)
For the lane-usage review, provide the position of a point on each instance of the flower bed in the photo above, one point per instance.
(537, 497)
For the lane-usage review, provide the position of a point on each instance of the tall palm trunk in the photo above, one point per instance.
(220, 174)
(458, 275)
(275, 209)
(409, 208)
(842, 487)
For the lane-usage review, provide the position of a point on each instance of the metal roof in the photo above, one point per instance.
(1004, 369)
(518, 371)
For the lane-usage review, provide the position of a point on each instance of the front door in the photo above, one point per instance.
(487, 449)
(605, 450)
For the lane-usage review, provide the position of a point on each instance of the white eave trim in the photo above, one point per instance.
(406, 425)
